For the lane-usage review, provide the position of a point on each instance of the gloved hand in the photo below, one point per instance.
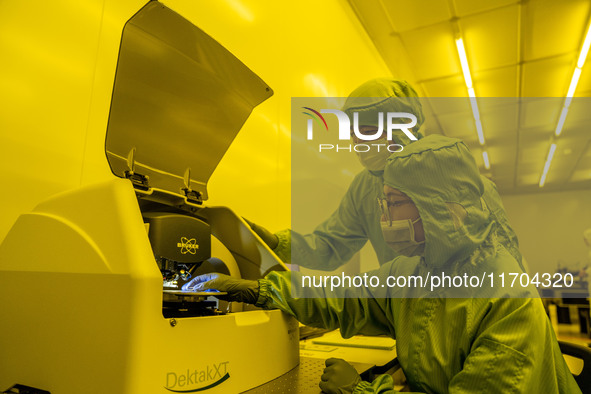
(240, 290)
(268, 237)
(339, 377)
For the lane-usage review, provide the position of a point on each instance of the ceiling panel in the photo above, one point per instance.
(532, 151)
(491, 38)
(503, 175)
(378, 24)
(450, 105)
(453, 86)
(373, 18)
(584, 86)
(527, 180)
(549, 77)
(581, 176)
(579, 114)
(540, 115)
(500, 82)
(458, 126)
(467, 7)
(503, 156)
(554, 27)
(568, 153)
(529, 174)
(432, 51)
(500, 122)
(412, 14)
(582, 171)
(498, 103)
(587, 153)
(395, 55)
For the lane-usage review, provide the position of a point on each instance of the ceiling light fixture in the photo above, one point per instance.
(567, 100)
(486, 162)
(574, 81)
(547, 165)
(471, 93)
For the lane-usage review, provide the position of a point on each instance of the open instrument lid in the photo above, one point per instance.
(179, 100)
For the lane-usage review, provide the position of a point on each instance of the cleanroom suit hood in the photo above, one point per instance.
(441, 177)
(383, 96)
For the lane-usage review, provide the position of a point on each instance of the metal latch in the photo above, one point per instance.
(138, 180)
(192, 196)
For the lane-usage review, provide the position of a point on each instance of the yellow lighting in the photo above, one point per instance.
(471, 92)
(573, 83)
(479, 131)
(241, 9)
(585, 48)
(316, 84)
(464, 62)
(561, 120)
(475, 110)
(547, 165)
(486, 162)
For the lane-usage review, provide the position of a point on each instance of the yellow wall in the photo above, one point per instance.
(57, 73)
(56, 79)
(301, 49)
(550, 228)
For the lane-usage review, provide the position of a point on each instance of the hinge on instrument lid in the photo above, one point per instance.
(138, 180)
(192, 196)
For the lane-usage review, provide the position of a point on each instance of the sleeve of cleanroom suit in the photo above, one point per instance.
(352, 312)
(338, 238)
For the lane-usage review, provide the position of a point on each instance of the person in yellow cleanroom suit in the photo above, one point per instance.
(449, 340)
(356, 220)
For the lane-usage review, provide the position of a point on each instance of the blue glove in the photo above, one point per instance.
(240, 290)
(339, 377)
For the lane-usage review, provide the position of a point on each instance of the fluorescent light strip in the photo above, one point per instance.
(471, 92)
(561, 120)
(585, 48)
(567, 100)
(547, 165)
(479, 131)
(486, 162)
(573, 83)
(464, 62)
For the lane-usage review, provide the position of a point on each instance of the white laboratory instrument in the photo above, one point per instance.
(87, 279)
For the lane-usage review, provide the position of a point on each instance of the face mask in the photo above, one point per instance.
(375, 160)
(400, 236)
